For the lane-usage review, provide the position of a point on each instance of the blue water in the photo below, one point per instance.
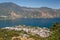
(29, 22)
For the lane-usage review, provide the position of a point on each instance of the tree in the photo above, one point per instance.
(56, 26)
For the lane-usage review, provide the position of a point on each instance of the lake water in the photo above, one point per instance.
(29, 22)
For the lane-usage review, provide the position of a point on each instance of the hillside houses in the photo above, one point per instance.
(42, 32)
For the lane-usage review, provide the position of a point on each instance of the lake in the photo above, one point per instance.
(41, 22)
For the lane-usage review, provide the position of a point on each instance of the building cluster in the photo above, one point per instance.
(42, 32)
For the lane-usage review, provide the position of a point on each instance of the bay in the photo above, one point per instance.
(41, 22)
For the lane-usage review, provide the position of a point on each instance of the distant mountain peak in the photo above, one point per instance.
(45, 8)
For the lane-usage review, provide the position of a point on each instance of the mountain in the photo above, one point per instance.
(9, 10)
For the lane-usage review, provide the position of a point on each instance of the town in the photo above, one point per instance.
(42, 32)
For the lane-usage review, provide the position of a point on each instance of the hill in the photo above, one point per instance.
(8, 34)
(9, 10)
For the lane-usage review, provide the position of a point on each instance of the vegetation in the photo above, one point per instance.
(55, 31)
(6, 34)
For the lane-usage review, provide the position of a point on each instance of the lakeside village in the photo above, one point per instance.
(42, 32)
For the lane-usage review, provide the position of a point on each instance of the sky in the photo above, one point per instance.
(55, 4)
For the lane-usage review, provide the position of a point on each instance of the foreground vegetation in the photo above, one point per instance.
(6, 34)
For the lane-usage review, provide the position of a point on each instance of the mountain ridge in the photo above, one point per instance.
(8, 8)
